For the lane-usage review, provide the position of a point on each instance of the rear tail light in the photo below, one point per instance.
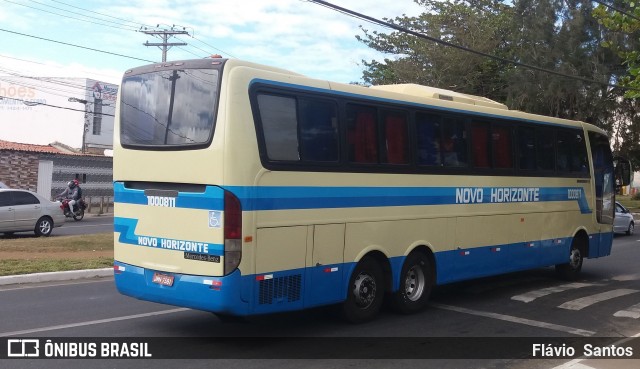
(232, 232)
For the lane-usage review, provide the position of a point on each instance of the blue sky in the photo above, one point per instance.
(291, 34)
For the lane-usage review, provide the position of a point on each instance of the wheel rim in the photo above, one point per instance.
(631, 227)
(45, 227)
(575, 259)
(364, 290)
(414, 283)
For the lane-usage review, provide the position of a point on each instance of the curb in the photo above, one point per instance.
(56, 276)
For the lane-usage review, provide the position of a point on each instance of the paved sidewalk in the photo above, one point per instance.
(55, 276)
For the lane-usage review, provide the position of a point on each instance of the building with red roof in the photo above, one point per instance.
(46, 169)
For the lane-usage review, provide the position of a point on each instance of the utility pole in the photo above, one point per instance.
(86, 120)
(164, 36)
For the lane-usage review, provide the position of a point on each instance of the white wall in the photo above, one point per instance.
(42, 123)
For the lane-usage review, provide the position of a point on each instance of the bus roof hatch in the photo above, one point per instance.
(441, 94)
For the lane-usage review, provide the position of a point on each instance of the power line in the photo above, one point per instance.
(78, 46)
(213, 47)
(50, 65)
(379, 22)
(66, 16)
(64, 82)
(40, 87)
(104, 15)
(137, 28)
(31, 103)
(49, 90)
(616, 9)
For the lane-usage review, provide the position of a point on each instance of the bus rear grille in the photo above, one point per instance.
(283, 289)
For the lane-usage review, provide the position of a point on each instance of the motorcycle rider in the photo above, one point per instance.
(71, 193)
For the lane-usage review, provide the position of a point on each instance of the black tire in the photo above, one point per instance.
(44, 226)
(631, 228)
(571, 270)
(78, 215)
(365, 292)
(416, 282)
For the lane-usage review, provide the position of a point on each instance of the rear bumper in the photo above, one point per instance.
(59, 220)
(214, 294)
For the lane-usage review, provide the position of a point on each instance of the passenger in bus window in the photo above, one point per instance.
(449, 155)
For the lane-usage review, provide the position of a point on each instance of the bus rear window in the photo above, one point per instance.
(169, 108)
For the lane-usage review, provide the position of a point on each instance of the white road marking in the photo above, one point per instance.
(513, 319)
(626, 277)
(583, 302)
(574, 364)
(631, 312)
(91, 322)
(530, 296)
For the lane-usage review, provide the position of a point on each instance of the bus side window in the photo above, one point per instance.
(396, 137)
(318, 130)
(480, 144)
(563, 145)
(454, 143)
(428, 139)
(527, 148)
(362, 135)
(546, 145)
(579, 160)
(502, 148)
(279, 126)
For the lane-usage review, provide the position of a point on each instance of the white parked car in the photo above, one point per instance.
(623, 222)
(22, 211)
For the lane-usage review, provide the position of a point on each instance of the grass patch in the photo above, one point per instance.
(629, 203)
(91, 242)
(21, 254)
(22, 266)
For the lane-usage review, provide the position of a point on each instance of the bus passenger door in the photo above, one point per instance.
(324, 267)
(604, 182)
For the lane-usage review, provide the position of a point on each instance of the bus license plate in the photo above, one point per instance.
(163, 279)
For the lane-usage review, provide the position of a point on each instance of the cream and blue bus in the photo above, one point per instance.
(243, 189)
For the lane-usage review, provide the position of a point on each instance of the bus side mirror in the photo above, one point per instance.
(622, 171)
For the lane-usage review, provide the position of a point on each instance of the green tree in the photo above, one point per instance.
(626, 25)
(559, 35)
(624, 41)
(563, 36)
(476, 24)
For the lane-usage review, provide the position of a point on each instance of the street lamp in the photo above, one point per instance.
(86, 118)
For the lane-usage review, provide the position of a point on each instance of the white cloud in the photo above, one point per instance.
(292, 34)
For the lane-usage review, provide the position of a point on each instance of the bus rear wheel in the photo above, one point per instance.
(365, 292)
(571, 270)
(416, 281)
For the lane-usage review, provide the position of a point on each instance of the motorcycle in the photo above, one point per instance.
(80, 207)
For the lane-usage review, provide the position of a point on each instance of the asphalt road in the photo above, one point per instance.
(88, 225)
(605, 302)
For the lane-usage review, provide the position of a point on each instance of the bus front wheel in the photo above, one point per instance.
(416, 281)
(365, 292)
(571, 270)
